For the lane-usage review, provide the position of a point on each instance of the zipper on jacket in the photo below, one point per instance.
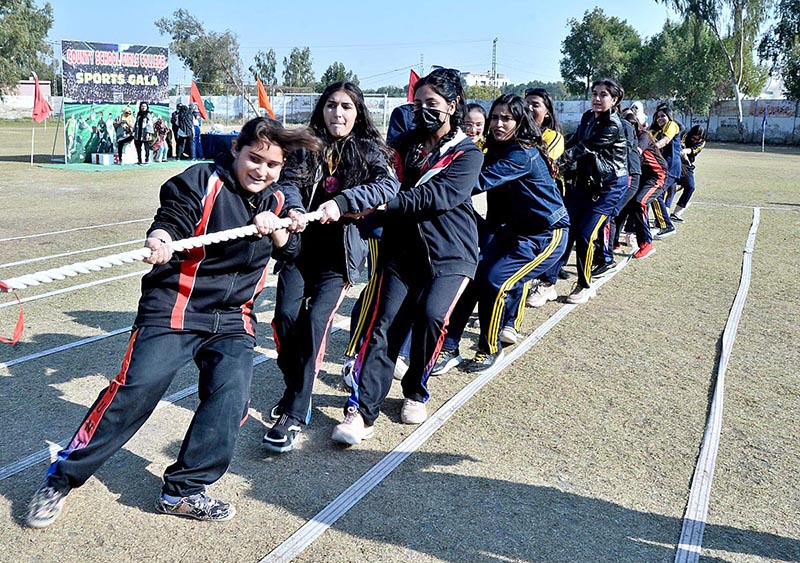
(427, 249)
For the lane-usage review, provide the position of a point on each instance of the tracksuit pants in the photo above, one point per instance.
(687, 181)
(660, 207)
(306, 302)
(411, 299)
(153, 358)
(507, 262)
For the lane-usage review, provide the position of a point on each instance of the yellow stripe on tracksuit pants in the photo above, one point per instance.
(367, 299)
(493, 331)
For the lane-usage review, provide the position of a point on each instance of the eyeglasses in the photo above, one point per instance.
(470, 126)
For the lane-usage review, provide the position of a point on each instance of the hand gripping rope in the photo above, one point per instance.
(57, 274)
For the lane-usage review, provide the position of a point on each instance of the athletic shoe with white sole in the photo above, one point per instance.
(45, 506)
(447, 360)
(543, 293)
(353, 430)
(281, 437)
(581, 295)
(483, 361)
(509, 335)
(413, 412)
(199, 506)
(400, 367)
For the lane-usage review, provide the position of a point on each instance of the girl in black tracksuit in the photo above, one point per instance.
(430, 244)
(195, 306)
(351, 175)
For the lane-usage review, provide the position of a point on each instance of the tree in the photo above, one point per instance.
(391, 91)
(211, 56)
(337, 73)
(297, 69)
(265, 67)
(482, 92)
(23, 49)
(780, 45)
(735, 25)
(557, 90)
(597, 47)
(682, 63)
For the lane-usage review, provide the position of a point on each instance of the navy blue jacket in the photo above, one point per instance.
(522, 196)
(212, 288)
(431, 222)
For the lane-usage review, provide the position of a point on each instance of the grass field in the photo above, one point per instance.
(581, 451)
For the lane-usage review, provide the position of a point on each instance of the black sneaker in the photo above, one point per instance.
(482, 362)
(447, 360)
(676, 219)
(199, 506)
(603, 269)
(664, 233)
(282, 435)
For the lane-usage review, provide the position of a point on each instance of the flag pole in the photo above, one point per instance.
(33, 136)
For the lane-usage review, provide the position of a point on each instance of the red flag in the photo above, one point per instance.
(263, 99)
(194, 96)
(41, 109)
(412, 79)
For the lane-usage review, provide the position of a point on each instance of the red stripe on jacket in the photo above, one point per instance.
(195, 256)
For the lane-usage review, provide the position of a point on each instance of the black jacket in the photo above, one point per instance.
(212, 288)
(340, 246)
(600, 149)
(431, 222)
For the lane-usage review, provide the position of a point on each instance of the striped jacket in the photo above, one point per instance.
(212, 288)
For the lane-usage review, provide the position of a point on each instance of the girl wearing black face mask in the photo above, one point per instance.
(430, 250)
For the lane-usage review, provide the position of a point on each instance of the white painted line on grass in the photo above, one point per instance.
(75, 229)
(74, 288)
(44, 455)
(324, 519)
(694, 521)
(63, 254)
(63, 347)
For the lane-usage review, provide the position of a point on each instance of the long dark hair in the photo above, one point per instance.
(551, 120)
(613, 88)
(263, 130)
(527, 133)
(364, 138)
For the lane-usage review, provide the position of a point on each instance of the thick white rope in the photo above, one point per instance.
(56, 274)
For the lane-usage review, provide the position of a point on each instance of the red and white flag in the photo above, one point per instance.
(194, 96)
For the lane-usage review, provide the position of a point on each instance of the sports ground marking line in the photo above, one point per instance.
(694, 520)
(63, 254)
(75, 229)
(314, 528)
(45, 454)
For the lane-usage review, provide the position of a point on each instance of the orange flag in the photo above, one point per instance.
(412, 79)
(41, 109)
(263, 99)
(194, 96)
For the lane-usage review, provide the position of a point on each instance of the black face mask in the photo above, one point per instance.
(428, 120)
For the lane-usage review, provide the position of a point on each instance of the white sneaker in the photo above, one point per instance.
(353, 429)
(413, 412)
(509, 335)
(581, 295)
(400, 367)
(543, 293)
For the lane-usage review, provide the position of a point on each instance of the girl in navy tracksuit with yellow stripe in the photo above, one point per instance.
(195, 306)
(526, 222)
(691, 144)
(430, 248)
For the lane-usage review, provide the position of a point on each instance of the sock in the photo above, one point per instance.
(170, 499)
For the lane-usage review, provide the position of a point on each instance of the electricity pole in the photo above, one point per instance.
(494, 63)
